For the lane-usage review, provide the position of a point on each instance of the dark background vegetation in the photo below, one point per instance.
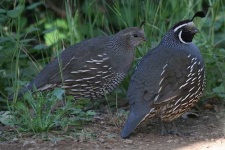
(34, 32)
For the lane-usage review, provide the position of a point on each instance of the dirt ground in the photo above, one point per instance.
(207, 131)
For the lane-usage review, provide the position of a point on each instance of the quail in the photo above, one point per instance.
(91, 68)
(168, 80)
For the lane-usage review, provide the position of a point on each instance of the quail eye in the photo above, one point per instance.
(135, 35)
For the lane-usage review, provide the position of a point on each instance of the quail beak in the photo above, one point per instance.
(145, 39)
(194, 30)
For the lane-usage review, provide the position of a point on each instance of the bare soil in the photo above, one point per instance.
(206, 129)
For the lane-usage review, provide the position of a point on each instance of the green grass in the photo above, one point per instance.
(32, 35)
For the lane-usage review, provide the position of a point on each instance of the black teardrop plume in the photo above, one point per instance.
(142, 23)
(198, 14)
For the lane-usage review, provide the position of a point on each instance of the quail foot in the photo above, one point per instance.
(169, 79)
(91, 68)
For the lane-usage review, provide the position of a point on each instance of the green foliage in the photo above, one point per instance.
(40, 115)
(44, 111)
(31, 35)
(212, 46)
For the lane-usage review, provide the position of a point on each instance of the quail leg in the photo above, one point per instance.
(163, 128)
(174, 130)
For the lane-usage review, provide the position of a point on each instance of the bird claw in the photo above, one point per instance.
(173, 131)
(163, 132)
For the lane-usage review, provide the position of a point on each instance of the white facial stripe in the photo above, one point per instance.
(180, 38)
(177, 28)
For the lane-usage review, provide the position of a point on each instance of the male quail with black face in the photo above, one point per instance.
(92, 67)
(169, 80)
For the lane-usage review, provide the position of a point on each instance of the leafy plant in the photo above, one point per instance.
(44, 111)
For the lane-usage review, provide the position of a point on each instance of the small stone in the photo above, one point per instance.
(170, 141)
(212, 125)
(15, 140)
(205, 117)
(128, 141)
(214, 133)
(125, 145)
(82, 138)
(97, 146)
(108, 146)
(105, 133)
(113, 140)
(218, 116)
(28, 142)
(101, 140)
